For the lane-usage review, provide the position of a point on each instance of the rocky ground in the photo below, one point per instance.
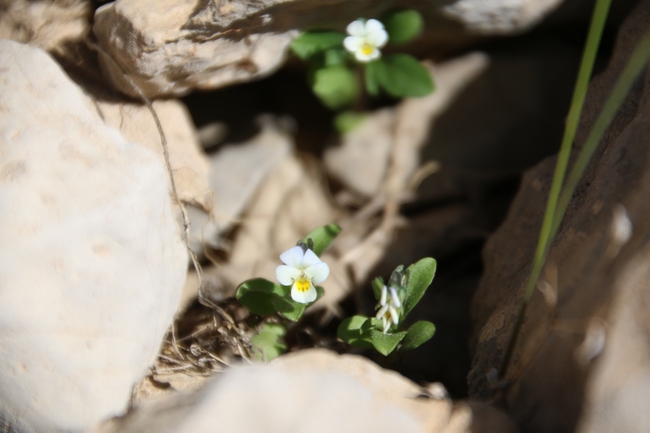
(106, 325)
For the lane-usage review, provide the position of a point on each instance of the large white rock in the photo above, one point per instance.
(91, 264)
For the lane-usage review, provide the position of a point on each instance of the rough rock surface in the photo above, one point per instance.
(499, 17)
(91, 261)
(170, 47)
(189, 164)
(309, 391)
(583, 357)
(236, 172)
(45, 24)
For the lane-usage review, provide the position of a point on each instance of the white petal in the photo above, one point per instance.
(386, 324)
(382, 301)
(356, 28)
(353, 43)
(378, 38)
(286, 275)
(310, 258)
(396, 301)
(382, 312)
(393, 315)
(304, 297)
(318, 273)
(374, 54)
(292, 257)
(373, 26)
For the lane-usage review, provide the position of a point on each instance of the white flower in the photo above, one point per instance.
(388, 308)
(301, 270)
(365, 39)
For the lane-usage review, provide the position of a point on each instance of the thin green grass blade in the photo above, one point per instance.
(634, 67)
(596, 27)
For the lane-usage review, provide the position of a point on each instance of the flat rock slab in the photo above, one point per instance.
(91, 261)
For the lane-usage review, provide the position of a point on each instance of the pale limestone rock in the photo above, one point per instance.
(168, 47)
(45, 24)
(309, 391)
(361, 159)
(499, 16)
(313, 391)
(236, 172)
(91, 261)
(189, 164)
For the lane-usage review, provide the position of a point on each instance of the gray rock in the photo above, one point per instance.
(91, 260)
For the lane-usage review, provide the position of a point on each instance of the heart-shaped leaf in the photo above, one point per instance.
(403, 25)
(257, 295)
(420, 276)
(309, 43)
(386, 343)
(336, 86)
(353, 332)
(403, 76)
(268, 344)
(420, 332)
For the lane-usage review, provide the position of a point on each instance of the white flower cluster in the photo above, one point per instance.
(389, 308)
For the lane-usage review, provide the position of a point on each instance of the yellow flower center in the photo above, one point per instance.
(367, 49)
(302, 285)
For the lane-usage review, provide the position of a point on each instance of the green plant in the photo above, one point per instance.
(298, 276)
(395, 301)
(335, 58)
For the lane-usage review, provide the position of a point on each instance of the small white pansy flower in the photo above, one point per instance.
(388, 308)
(302, 269)
(366, 37)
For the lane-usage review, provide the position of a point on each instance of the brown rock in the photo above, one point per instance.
(583, 356)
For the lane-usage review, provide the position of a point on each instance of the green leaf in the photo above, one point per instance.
(268, 344)
(352, 331)
(386, 343)
(377, 285)
(336, 86)
(420, 276)
(420, 332)
(289, 308)
(372, 72)
(323, 237)
(257, 295)
(348, 120)
(336, 56)
(404, 25)
(309, 43)
(403, 76)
